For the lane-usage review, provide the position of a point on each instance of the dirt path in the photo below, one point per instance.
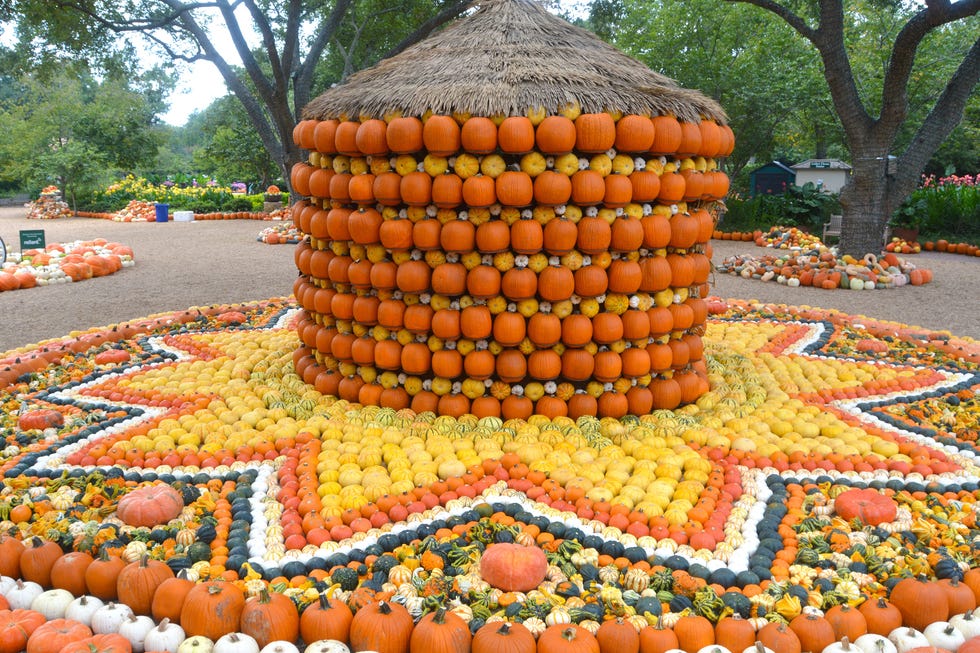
(179, 265)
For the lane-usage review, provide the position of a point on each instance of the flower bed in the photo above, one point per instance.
(64, 263)
(830, 463)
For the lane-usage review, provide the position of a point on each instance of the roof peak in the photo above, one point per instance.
(506, 58)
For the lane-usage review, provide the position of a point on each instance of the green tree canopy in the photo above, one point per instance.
(284, 52)
(70, 128)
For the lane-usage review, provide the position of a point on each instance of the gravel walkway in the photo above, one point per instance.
(180, 265)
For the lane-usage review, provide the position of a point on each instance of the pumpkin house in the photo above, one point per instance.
(509, 218)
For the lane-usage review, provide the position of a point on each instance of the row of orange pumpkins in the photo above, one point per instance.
(369, 218)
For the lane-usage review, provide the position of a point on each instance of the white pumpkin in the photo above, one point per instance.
(165, 637)
(758, 647)
(52, 604)
(196, 644)
(327, 646)
(967, 623)
(236, 643)
(6, 582)
(280, 646)
(22, 594)
(905, 639)
(714, 648)
(874, 643)
(942, 634)
(110, 617)
(793, 282)
(135, 630)
(843, 646)
(82, 609)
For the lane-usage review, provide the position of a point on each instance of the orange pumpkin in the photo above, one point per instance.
(513, 567)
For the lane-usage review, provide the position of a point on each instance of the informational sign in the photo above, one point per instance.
(31, 239)
(820, 164)
(3, 252)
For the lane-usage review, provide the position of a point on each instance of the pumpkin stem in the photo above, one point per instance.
(144, 559)
(759, 647)
(163, 624)
(384, 608)
(504, 628)
(439, 617)
(568, 634)
(264, 595)
(214, 588)
(845, 643)
(324, 601)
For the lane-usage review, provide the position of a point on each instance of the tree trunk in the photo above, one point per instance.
(820, 138)
(864, 206)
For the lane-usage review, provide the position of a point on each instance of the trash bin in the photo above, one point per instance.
(163, 212)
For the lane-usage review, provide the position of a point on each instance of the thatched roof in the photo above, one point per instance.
(507, 57)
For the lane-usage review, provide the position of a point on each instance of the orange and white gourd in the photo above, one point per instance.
(507, 266)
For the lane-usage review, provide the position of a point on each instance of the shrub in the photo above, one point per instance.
(800, 206)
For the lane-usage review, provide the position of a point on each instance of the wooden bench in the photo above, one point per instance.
(832, 228)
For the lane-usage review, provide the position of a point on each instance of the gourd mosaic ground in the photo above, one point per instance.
(734, 504)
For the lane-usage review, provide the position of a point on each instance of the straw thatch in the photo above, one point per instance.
(506, 57)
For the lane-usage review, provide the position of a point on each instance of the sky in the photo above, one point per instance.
(200, 84)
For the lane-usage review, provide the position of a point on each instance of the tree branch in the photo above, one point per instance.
(168, 20)
(429, 26)
(945, 115)
(304, 73)
(786, 14)
(241, 47)
(269, 42)
(894, 92)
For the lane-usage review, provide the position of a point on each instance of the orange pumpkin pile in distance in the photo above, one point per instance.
(143, 211)
(508, 266)
(967, 249)
(753, 501)
(789, 238)
(901, 246)
(745, 236)
(64, 263)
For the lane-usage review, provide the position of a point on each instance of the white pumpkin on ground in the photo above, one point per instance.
(874, 643)
(82, 608)
(905, 639)
(327, 646)
(52, 603)
(942, 634)
(110, 617)
(22, 594)
(196, 644)
(967, 623)
(236, 643)
(280, 646)
(135, 629)
(165, 636)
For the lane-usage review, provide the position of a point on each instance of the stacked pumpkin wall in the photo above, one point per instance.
(513, 266)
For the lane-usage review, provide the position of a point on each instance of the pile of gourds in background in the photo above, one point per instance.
(820, 267)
